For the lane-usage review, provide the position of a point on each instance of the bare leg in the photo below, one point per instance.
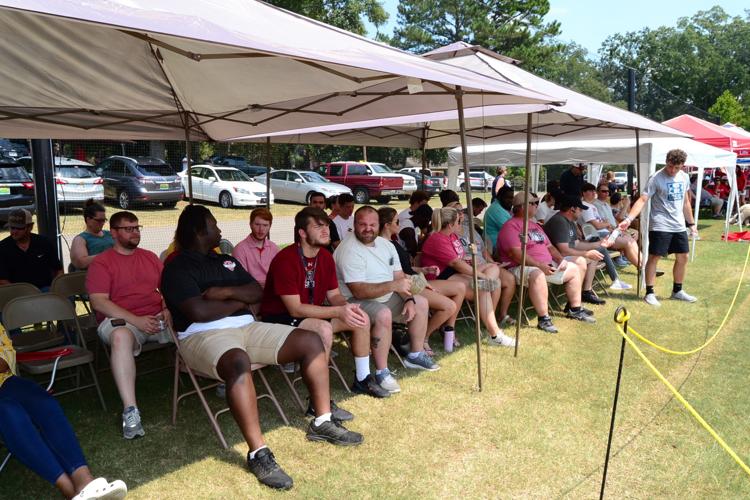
(588, 279)
(360, 336)
(418, 325)
(442, 307)
(305, 347)
(324, 329)
(234, 369)
(81, 477)
(538, 292)
(380, 338)
(651, 263)
(123, 365)
(66, 486)
(680, 267)
(572, 280)
(506, 292)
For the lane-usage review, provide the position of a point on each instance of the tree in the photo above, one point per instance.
(729, 109)
(572, 68)
(345, 14)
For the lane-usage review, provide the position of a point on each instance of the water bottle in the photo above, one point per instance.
(448, 338)
(613, 236)
(163, 335)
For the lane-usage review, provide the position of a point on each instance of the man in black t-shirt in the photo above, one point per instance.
(209, 296)
(571, 181)
(26, 257)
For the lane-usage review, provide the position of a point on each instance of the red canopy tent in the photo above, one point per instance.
(711, 134)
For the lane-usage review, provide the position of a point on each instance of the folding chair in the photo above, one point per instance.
(33, 339)
(73, 286)
(180, 366)
(48, 308)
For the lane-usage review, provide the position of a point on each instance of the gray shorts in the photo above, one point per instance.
(105, 330)
(372, 307)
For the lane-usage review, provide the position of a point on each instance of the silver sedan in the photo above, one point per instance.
(298, 185)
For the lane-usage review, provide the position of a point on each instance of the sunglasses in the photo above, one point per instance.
(604, 190)
(534, 203)
(101, 221)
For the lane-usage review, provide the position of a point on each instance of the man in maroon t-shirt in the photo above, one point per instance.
(301, 278)
(123, 283)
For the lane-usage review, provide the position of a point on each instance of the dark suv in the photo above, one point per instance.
(16, 189)
(139, 179)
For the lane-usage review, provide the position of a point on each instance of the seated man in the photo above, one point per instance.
(123, 284)
(369, 274)
(624, 243)
(209, 296)
(497, 214)
(343, 218)
(302, 277)
(26, 257)
(563, 233)
(543, 264)
(318, 200)
(592, 215)
(416, 200)
(256, 252)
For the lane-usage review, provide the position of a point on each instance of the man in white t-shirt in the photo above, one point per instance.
(343, 220)
(369, 273)
(669, 218)
(591, 215)
(416, 200)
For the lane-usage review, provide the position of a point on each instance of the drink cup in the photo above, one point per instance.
(448, 338)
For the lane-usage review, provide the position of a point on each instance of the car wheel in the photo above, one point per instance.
(384, 199)
(403, 197)
(225, 200)
(169, 204)
(123, 200)
(307, 197)
(361, 196)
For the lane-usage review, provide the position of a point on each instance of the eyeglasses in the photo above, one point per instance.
(101, 221)
(129, 229)
(534, 203)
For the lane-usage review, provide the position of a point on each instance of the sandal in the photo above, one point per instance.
(100, 488)
(507, 321)
(427, 349)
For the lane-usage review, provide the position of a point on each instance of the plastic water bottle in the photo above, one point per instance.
(613, 236)
(448, 338)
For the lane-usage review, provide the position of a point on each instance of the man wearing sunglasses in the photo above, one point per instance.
(123, 283)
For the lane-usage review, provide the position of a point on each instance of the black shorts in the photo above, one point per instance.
(447, 273)
(282, 319)
(662, 243)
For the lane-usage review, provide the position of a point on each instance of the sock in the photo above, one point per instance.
(575, 309)
(252, 453)
(326, 417)
(129, 409)
(380, 372)
(362, 367)
(649, 289)
(676, 287)
(413, 355)
(544, 318)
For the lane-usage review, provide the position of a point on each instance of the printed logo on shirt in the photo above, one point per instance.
(230, 265)
(675, 191)
(536, 236)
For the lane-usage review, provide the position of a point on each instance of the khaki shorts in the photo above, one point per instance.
(261, 342)
(371, 307)
(556, 278)
(105, 330)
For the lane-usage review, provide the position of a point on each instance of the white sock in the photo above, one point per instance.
(362, 367)
(326, 417)
(252, 453)
(413, 355)
(379, 372)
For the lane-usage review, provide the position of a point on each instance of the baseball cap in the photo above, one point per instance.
(518, 198)
(19, 218)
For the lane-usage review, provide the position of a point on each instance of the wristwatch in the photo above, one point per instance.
(410, 299)
(690, 224)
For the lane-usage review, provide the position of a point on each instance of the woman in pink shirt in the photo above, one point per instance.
(256, 252)
(443, 249)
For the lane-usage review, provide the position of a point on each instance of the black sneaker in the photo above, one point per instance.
(580, 316)
(546, 325)
(590, 298)
(268, 472)
(585, 311)
(334, 433)
(337, 413)
(370, 387)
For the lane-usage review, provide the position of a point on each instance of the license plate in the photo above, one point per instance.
(163, 186)
(4, 190)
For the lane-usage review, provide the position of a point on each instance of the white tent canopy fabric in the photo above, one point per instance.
(133, 68)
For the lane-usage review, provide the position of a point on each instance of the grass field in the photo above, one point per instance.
(537, 430)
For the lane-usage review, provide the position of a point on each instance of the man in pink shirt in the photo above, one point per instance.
(256, 252)
(123, 284)
(544, 263)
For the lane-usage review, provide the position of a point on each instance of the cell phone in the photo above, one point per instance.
(118, 322)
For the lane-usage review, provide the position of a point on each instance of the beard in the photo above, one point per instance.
(319, 242)
(366, 237)
(131, 244)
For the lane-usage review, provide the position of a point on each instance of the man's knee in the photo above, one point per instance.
(383, 317)
(421, 303)
(682, 258)
(121, 339)
(233, 364)
(309, 340)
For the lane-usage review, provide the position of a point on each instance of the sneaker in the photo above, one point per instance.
(337, 413)
(502, 340)
(507, 321)
(651, 300)
(546, 325)
(387, 381)
(580, 316)
(421, 362)
(369, 387)
(101, 488)
(620, 285)
(289, 367)
(585, 311)
(590, 297)
(334, 433)
(621, 261)
(684, 296)
(221, 391)
(131, 423)
(268, 472)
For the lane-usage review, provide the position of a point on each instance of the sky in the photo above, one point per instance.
(590, 22)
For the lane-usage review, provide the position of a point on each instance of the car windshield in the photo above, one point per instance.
(162, 170)
(75, 172)
(14, 173)
(232, 176)
(380, 168)
(313, 177)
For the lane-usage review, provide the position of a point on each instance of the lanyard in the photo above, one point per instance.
(309, 274)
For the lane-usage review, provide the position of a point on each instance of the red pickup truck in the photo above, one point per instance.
(363, 183)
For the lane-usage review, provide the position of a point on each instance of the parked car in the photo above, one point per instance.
(16, 189)
(139, 179)
(432, 185)
(479, 180)
(621, 179)
(364, 182)
(297, 185)
(415, 170)
(252, 171)
(75, 181)
(12, 149)
(410, 184)
(226, 186)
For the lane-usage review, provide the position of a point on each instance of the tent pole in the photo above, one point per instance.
(364, 153)
(187, 156)
(524, 233)
(696, 210)
(268, 172)
(640, 187)
(472, 244)
(424, 156)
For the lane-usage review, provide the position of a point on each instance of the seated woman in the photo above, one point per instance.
(444, 297)
(37, 434)
(443, 250)
(93, 241)
(546, 208)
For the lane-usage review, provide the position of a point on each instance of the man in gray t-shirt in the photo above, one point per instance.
(667, 190)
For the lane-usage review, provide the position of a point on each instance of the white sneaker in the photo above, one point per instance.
(100, 488)
(683, 295)
(619, 285)
(502, 340)
(651, 300)
(387, 382)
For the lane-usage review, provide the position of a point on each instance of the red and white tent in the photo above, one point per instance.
(712, 134)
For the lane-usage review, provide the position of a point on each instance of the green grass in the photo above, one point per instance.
(538, 429)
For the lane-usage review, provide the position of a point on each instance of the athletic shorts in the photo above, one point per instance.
(371, 307)
(105, 330)
(662, 243)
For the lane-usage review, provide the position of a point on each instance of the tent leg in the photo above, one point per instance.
(524, 233)
(641, 250)
(268, 172)
(187, 156)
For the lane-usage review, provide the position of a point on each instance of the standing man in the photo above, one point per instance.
(26, 257)
(123, 284)
(571, 181)
(343, 220)
(318, 200)
(670, 209)
(256, 252)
